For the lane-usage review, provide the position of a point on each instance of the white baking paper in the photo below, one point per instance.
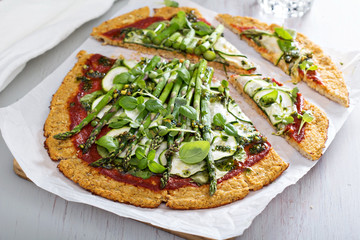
(22, 128)
(31, 27)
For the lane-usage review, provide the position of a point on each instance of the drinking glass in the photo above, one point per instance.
(285, 8)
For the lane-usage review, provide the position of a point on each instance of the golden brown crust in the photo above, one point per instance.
(89, 178)
(333, 86)
(165, 12)
(315, 132)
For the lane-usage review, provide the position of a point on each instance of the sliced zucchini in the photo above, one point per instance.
(129, 63)
(254, 85)
(159, 152)
(108, 81)
(117, 132)
(184, 170)
(218, 107)
(104, 110)
(223, 145)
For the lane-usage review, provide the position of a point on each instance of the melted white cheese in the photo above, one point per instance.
(182, 169)
(271, 44)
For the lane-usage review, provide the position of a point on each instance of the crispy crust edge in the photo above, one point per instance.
(315, 132)
(165, 12)
(89, 178)
(334, 86)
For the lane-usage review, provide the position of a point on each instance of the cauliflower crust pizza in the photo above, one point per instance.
(294, 53)
(174, 33)
(156, 131)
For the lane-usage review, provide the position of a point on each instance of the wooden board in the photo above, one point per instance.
(20, 173)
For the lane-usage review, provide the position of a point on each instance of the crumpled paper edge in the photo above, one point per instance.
(231, 220)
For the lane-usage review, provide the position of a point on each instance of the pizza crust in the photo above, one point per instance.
(89, 178)
(165, 12)
(333, 86)
(315, 132)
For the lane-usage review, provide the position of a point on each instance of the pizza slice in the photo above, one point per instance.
(152, 131)
(173, 33)
(302, 124)
(294, 53)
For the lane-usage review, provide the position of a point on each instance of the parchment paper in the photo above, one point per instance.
(22, 128)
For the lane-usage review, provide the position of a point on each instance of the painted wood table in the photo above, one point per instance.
(324, 204)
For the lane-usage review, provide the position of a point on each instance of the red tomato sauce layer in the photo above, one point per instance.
(100, 64)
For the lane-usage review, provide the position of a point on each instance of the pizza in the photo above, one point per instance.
(174, 33)
(294, 53)
(303, 125)
(156, 131)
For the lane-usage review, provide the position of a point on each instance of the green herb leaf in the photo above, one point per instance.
(140, 153)
(306, 117)
(108, 142)
(140, 163)
(128, 103)
(140, 173)
(294, 93)
(286, 34)
(225, 84)
(156, 167)
(140, 100)
(170, 3)
(286, 46)
(180, 101)
(269, 98)
(307, 65)
(122, 78)
(163, 130)
(119, 124)
(202, 28)
(141, 83)
(194, 152)
(219, 120)
(154, 105)
(88, 99)
(188, 111)
(184, 74)
(151, 155)
(230, 130)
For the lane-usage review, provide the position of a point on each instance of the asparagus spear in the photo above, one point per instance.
(206, 122)
(107, 97)
(170, 41)
(166, 33)
(178, 42)
(190, 48)
(103, 121)
(189, 36)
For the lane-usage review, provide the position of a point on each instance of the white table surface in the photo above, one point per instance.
(324, 204)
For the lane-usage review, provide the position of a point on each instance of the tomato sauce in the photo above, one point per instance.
(241, 29)
(312, 75)
(78, 113)
(118, 33)
(293, 129)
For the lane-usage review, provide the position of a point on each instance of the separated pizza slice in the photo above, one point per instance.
(173, 33)
(154, 131)
(294, 53)
(302, 124)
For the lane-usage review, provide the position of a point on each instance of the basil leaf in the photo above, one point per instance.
(88, 99)
(156, 167)
(269, 98)
(102, 151)
(151, 155)
(219, 120)
(307, 65)
(188, 111)
(140, 173)
(286, 46)
(140, 100)
(140, 153)
(230, 130)
(141, 83)
(224, 83)
(154, 105)
(122, 78)
(163, 130)
(306, 117)
(141, 107)
(313, 67)
(194, 152)
(128, 103)
(108, 142)
(284, 33)
(140, 163)
(119, 124)
(180, 101)
(184, 74)
(170, 3)
(294, 93)
(288, 120)
(202, 28)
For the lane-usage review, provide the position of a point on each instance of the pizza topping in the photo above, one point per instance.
(161, 118)
(184, 33)
(282, 105)
(282, 43)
